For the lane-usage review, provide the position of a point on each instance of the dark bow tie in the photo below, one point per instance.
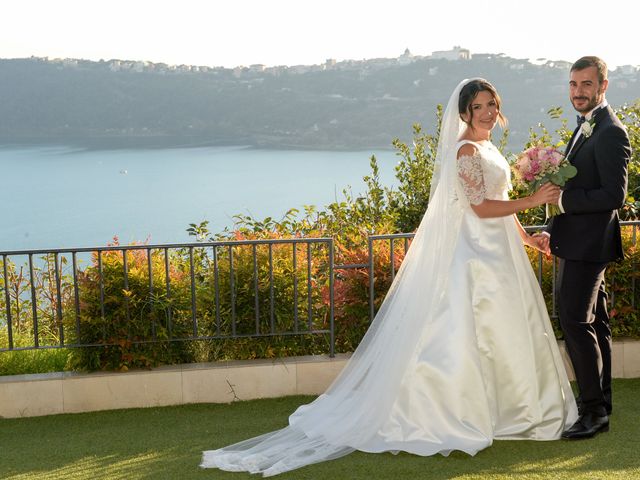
(581, 118)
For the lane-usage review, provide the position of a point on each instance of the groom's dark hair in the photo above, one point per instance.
(586, 62)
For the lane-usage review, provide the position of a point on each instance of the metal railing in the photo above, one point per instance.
(392, 238)
(201, 259)
(212, 271)
(405, 237)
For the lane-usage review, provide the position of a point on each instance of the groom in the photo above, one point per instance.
(586, 237)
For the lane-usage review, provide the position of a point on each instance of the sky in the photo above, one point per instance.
(230, 33)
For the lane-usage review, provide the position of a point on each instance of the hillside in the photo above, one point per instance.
(350, 105)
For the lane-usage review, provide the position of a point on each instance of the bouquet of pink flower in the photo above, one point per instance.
(540, 164)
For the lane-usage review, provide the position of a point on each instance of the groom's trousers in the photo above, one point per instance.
(582, 307)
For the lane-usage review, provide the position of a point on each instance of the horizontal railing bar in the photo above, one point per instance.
(347, 266)
(168, 245)
(181, 339)
(530, 228)
(389, 236)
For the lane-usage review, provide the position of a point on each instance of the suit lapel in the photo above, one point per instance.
(597, 118)
(576, 147)
(568, 149)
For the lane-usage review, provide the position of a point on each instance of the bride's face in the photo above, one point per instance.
(484, 109)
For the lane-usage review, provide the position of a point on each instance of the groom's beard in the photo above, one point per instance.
(593, 102)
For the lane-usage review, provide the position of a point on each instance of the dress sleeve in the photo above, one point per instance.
(471, 178)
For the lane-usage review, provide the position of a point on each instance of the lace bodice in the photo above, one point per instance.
(484, 175)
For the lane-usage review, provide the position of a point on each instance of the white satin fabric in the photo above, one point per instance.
(461, 352)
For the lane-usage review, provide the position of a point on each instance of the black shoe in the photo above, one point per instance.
(587, 426)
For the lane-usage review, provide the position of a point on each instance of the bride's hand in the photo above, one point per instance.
(540, 242)
(547, 193)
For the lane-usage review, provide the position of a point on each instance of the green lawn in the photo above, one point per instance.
(165, 443)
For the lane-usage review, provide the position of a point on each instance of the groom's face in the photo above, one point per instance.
(585, 90)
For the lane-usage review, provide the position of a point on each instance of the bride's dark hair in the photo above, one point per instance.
(470, 91)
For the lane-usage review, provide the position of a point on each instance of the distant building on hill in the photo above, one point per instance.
(627, 69)
(456, 53)
(406, 58)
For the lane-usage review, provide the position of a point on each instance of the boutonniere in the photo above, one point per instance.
(587, 127)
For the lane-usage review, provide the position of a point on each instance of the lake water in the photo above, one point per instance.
(56, 197)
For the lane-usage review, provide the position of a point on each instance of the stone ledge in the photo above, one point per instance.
(219, 382)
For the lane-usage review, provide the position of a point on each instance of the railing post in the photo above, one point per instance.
(216, 288)
(76, 295)
(332, 344)
(192, 276)
(232, 292)
(371, 278)
(125, 271)
(102, 312)
(272, 321)
(59, 298)
(167, 276)
(7, 303)
(34, 303)
(151, 296)
(392, 258)
(295, 287)
(309, 290)
(633, 271)
(256, 289)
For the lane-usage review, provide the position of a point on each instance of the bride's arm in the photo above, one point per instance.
(535, 241)
(548, 193)
(470, 174)
(521, 230)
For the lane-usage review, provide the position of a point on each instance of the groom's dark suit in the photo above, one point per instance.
(586, 238)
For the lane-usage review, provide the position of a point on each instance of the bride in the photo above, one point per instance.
(462, 351)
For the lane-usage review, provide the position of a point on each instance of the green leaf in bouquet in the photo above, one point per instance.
(557, 179)
(568, 171)
(536, 185)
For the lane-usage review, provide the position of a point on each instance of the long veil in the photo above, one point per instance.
(354, 407)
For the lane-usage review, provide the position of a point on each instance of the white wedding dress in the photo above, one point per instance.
(462, 351)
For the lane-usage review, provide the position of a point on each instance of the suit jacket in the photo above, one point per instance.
(589, 230)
